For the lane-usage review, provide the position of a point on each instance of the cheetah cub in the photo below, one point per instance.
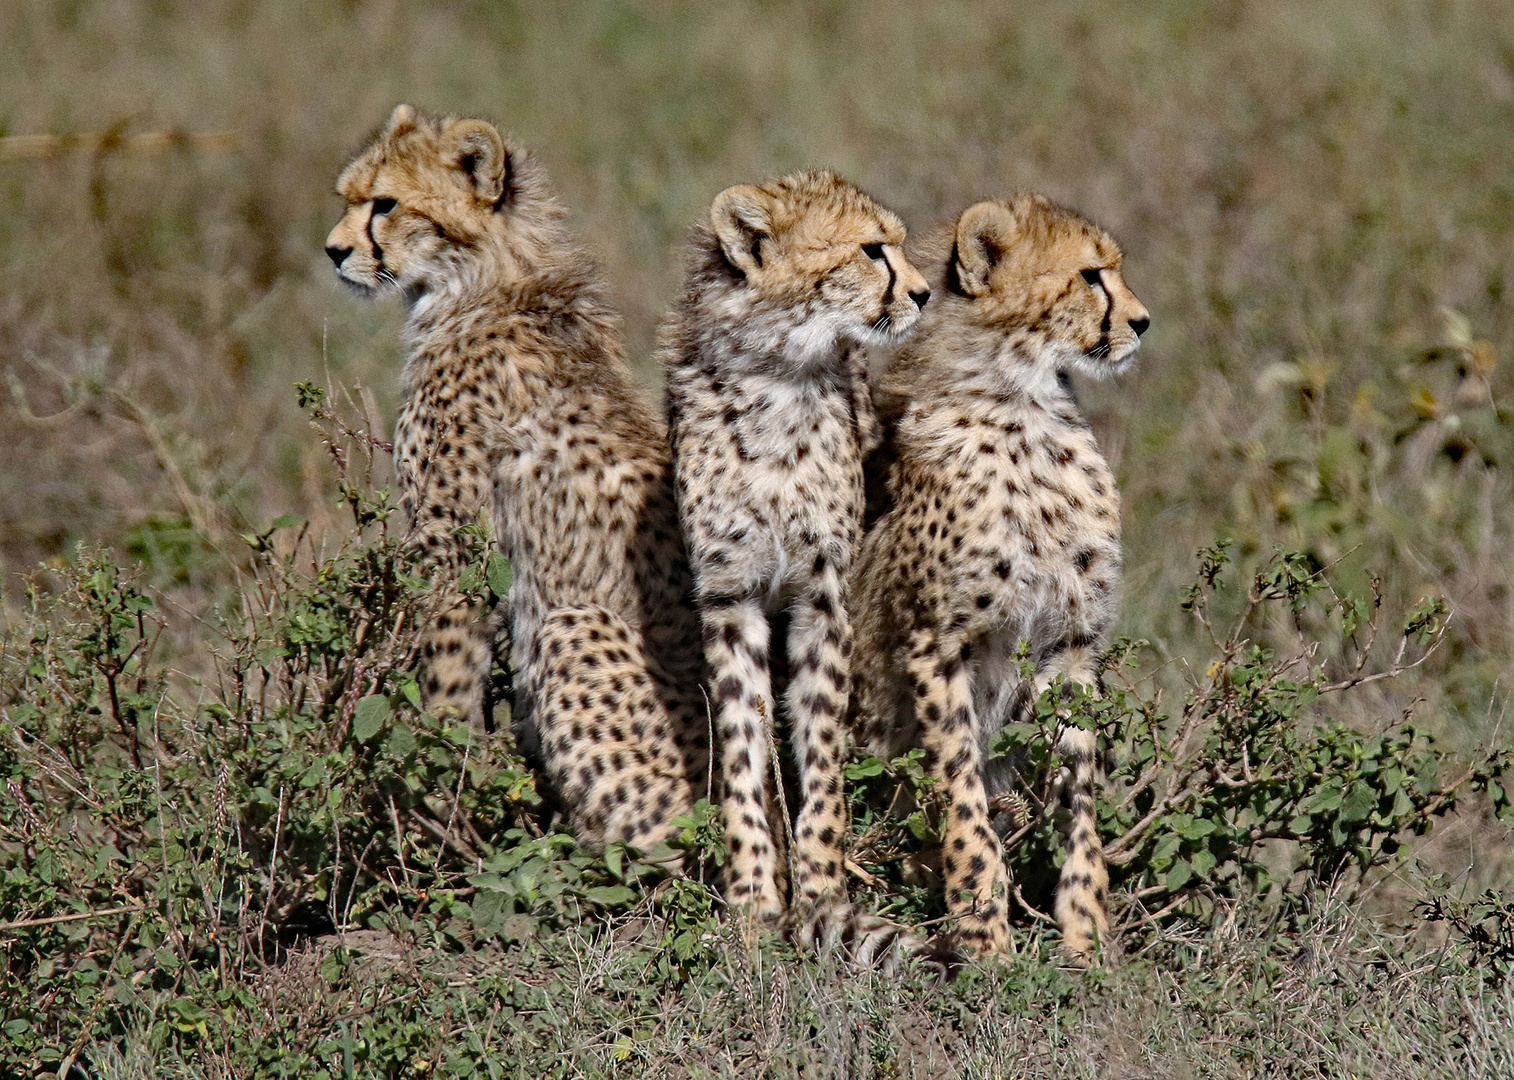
(519, 410)
(1004, 528)
(787, 280)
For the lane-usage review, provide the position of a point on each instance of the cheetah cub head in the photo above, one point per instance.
(808, 264)
(437, 204)
(1050, 280)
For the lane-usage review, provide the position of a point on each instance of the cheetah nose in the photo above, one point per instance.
(1140, 325)
(338, 255)
(920, 297)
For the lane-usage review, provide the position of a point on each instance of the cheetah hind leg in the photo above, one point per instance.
(972, 859)
(607, 733)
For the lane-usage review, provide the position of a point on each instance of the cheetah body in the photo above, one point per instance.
(1003, 529)
(519, 410)
(786, 281)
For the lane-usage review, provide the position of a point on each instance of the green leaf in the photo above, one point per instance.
(1195, 828)
(1178, 876)
(488, 910)
(401, 742)
(1327, 798)
(412, 692)
(191, 1016)
(499, 574)
(285, 521)
(610, 895)
(1166, 847)
(369, 716)
(333, 966)
(861, 770)
(488, 883)
(1360, 801)
(615, 856)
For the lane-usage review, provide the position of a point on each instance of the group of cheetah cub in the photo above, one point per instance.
(653, 563)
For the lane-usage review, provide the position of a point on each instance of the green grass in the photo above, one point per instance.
(1317, 205)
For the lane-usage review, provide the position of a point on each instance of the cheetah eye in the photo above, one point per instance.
(1094, 277)
(383, 206)
(873, 251)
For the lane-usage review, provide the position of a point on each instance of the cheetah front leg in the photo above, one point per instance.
(977, 880)
(441, 491)
(737, 636)
(1083, 887)
(456, 657)
(819, 650)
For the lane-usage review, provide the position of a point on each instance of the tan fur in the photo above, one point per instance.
(519, 410)
(786, 281)
(1003, 528)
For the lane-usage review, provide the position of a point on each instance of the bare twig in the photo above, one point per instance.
(859, 873)
(444, 834)
(52, 920)
(1167, 909)
(1033, 912)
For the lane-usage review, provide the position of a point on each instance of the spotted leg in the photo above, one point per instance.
(977, 881)
(443, 481)
(737, 636)
(1083, 887)
(607, 736)
(819, 650)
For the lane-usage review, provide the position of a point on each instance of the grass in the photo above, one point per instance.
(1317, 204)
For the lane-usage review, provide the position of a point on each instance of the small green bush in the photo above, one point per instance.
(1244, 788)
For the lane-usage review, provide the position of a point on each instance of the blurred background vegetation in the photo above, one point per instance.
(1316, 203)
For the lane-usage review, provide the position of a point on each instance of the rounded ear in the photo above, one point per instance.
(742, 218)
(401, 120)
(984, 231)
(476, 148)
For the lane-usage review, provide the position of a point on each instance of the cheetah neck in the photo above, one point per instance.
(1017, 369)
(554, 293)
(1003, 384)
(742, 336)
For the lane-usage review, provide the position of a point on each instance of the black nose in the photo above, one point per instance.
(920, 297)
(1140, 325)
(338, 255)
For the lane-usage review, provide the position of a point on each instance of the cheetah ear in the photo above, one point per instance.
(476, 148)
(984, 231)
(401, 120)
(742, 218)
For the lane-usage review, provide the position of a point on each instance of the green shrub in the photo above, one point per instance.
(172, 830)
(1244, 788)
(241, 831)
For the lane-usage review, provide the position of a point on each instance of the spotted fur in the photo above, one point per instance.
(786, 281)
(519, 410)
(1003, 528)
